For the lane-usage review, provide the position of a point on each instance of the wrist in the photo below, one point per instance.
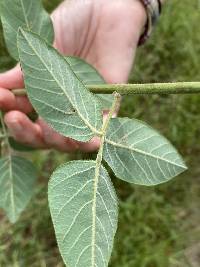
(153, 10)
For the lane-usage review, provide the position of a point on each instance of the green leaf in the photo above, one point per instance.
(86, 73)
(105, 101)
(17, 178)
(27, 14)
(55, 91)
(89, 75)
(138, 154)
(84, 212)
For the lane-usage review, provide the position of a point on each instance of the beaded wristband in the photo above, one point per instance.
(153, 8)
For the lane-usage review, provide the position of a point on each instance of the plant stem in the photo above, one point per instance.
(3, 124)
(148, 88)
(5, 136)
(113, 109)
(2, 136)
(98, 168)
(139, 89)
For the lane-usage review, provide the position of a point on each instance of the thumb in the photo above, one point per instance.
(12, 79)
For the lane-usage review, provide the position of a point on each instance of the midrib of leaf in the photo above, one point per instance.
(12, 186)
(97, 174)
(95, 131)
(9, 165)
(24, 12)
(96, 180)
(142, 152)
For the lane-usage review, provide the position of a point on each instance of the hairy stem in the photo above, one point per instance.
(139, 89)
(148, 88)
(98, 167)
(112, 111)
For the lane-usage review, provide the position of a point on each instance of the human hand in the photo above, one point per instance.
(103, 33)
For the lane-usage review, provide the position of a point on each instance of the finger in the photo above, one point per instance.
(24, 130)
(12, 79)
(23, 104)
(61, 143)
(91, 146)
(55, 140)
(9, 102)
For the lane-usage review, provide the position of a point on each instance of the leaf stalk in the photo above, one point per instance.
(99, 159)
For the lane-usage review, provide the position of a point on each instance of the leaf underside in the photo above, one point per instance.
(56, 93)
(28, 14)
(85, 223)
(89, 76)
(138, 154)
(17, 178)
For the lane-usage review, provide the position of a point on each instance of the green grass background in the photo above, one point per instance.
(158, 227)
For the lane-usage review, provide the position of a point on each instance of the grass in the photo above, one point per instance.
(157, 226)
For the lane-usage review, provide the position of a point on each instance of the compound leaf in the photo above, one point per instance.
(55, 91)
(84, 212)
(27, 14)
(89, 75)
(17, 178)
(138, 154)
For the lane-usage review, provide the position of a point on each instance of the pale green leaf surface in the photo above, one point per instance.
(28, 14)
(105, 100)
(85, 222)
(138, 154)
(56, 93)
(89, 75)
(17, 178)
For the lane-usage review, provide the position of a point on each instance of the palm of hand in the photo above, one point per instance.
(103, 34)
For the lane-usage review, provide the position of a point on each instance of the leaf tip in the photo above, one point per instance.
(184, 167)
(12, 220)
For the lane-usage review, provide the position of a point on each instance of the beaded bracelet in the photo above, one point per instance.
(153, 8)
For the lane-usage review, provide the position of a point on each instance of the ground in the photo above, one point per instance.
(159, 226)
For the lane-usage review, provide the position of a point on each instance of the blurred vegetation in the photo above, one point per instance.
(157, 226)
